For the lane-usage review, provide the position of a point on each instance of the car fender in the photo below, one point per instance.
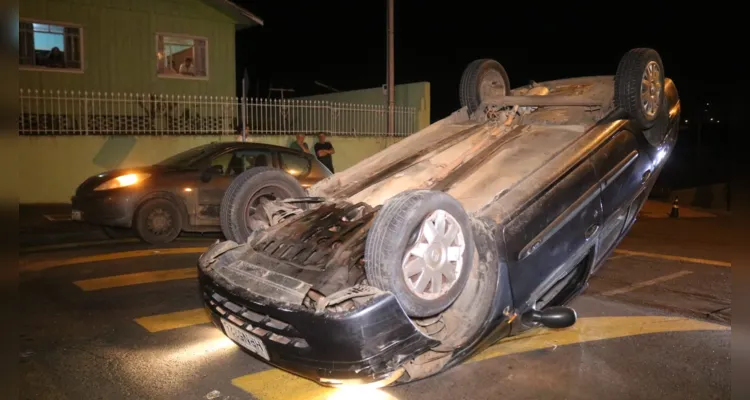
(490, 246)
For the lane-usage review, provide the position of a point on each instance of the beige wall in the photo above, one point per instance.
(51, 167)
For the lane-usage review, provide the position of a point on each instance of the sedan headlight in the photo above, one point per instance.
(123, 181)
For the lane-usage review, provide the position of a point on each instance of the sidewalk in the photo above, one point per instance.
(660, 209)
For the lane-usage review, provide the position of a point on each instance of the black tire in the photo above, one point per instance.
(395, 230)
(479, 73)
(630, 74)
(244, 193)
(158, 221)
(656, 134)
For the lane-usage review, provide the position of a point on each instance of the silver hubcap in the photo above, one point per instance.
(433, 264)
(159, 221)
(651, 89)
(492, 85)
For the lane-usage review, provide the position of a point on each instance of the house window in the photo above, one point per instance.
(181, 56)
(50, 46)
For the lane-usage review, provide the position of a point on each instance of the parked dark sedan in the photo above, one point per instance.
(482, 225)
(184, 192)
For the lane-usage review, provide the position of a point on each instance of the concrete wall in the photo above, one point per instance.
(415, 95)
(53, 166)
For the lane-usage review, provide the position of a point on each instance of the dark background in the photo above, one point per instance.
(343, 44)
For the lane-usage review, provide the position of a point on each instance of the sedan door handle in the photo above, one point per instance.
(645, 176)
(591, 231)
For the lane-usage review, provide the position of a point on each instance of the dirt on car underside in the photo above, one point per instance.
(475, 158)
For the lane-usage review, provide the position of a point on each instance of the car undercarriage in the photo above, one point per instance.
(423, 254)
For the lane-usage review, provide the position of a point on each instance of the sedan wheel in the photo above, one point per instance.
(433, 264)
(420, 248)
(158, 221)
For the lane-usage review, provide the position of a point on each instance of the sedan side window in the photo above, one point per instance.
(222, 161)
(239, 161)
(294, 164)
(255, 158)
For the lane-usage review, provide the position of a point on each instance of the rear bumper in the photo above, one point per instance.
(368, 344)
(109, 209)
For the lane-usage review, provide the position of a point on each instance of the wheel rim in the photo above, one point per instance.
(433, 265)
(492, 85)
(651, 90)
(271, 193)
(159, 222)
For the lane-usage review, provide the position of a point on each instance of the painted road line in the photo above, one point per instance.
(674, 258)
(137, 278)
(175, 320)
(62, 246)
(594, 329)
(46, 264)
(275, 384)
(644, 284)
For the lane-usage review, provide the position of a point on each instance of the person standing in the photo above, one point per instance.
(324, 150)
(300, 144)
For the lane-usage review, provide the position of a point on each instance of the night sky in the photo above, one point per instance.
(343, 44)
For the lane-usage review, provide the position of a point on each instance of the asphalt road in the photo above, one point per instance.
(125, 322)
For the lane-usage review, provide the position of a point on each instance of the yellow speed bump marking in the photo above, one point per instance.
(275, 384)
(47, 264)
(674, 258)
(180, 319)
(137, 278)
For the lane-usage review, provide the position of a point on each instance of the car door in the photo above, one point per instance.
(550, 237)
(623, 168)
(231, 163)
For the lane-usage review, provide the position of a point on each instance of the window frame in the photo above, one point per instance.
(178, 76)
(81, 40)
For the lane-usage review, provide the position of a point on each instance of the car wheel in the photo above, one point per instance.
(482, 80)
(244, 194)
(420, 248)
(656, 134)
(639, 87)
(158, 221)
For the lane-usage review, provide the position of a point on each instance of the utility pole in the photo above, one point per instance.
(391, 73)
(280, 90)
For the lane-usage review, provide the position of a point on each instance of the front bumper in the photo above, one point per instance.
(365, 345)
(110, 208)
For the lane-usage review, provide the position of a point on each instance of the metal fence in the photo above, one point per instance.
(95, 113)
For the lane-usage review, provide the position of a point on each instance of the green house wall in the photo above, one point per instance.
(119, 45)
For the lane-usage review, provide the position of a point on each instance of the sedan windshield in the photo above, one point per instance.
(188, 157)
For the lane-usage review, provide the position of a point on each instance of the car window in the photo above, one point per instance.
(238, 161)
(295, 165)
(188, 157)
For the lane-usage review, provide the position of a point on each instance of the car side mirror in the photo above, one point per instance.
(209, 172)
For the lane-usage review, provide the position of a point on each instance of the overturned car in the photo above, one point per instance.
(482, 225)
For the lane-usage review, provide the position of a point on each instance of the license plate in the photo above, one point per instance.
(76, 215)
(245, 339)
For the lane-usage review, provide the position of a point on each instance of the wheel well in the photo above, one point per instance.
(179, 203)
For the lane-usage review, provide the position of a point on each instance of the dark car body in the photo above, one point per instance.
(549, 201)
(192, 180)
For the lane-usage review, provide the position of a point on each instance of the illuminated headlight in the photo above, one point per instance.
(123, 181)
